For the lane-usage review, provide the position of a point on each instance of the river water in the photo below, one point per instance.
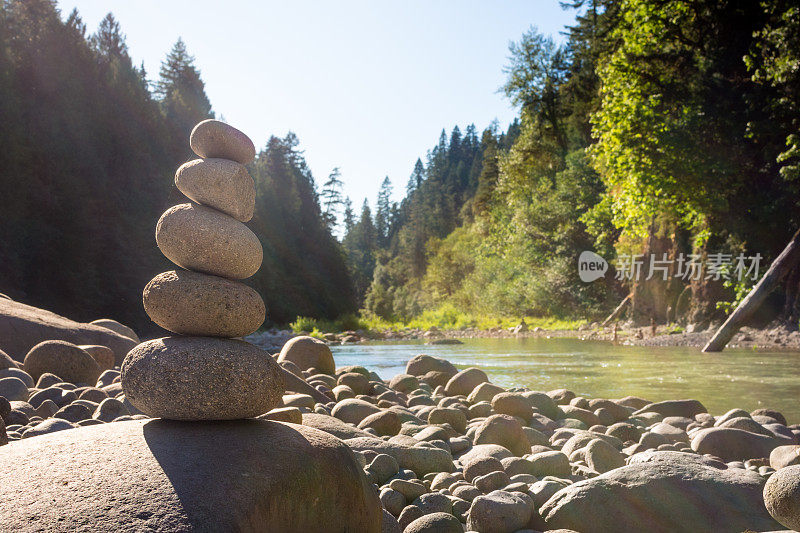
(741, 378)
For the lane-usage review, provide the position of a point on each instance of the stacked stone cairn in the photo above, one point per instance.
(203, 372)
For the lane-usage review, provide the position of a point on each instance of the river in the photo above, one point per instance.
(742, 378)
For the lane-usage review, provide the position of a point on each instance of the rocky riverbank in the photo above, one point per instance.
(442, 449)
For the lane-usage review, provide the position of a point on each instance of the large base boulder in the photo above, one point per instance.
(159, 475)
(664, 494)
(22, 327)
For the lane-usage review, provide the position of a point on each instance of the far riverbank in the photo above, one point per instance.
(778, 338)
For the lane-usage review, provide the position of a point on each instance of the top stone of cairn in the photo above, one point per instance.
(214, 139)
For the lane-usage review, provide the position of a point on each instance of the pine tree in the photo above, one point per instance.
(383, 213)
(75, 22)
(109, 41)
(182, 91)
(349, 216)
(490, 172)
(368, 233)
(415, 180)
(331, 197)
(143, 79)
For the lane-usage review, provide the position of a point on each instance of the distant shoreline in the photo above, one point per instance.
(761, 339)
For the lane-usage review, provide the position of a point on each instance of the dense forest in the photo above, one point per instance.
(659, 127)
(665, 127)
(90, 147)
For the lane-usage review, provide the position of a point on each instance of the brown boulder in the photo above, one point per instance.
(784, 456)
(102, 355)
(116, 327)
(504, 430)
(23, 326)
(731, 444)
(675, 494)
(64, 359)
(465, 381)
(6, 361)
(308, 352)
(421, 364)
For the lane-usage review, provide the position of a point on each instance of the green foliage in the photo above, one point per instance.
(348, 322)
(448, 317)
(646, 123)
(494, 227)
(773, 59)
(740, 288)
(682, 129)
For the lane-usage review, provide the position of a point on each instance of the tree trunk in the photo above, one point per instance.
(789, 316)
(779, 268)
(617, 312)
(650, 297)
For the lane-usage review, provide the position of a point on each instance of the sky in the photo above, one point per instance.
(367, 85)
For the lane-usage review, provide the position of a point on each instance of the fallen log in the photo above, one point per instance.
(618, 311)
(779, 268)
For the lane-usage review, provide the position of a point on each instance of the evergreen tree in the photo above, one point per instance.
(182, 91)
(360, 244)
(415, 180)
(331, 196)
(349, 216)
(108, 41)
(383, 214)
(490, 172)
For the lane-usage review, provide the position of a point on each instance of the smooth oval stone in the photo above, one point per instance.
(212, 138)
(205, 240)
(116, 327)
(782, 496)
(308, 352)
(190, 303)
(6, 361)
(218, 183)
(201, 378)
(17, 373)
(14, 389)
(63, 359)
(102, 355)
(48, 426)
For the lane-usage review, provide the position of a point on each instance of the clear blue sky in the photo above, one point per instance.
(366, 85)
